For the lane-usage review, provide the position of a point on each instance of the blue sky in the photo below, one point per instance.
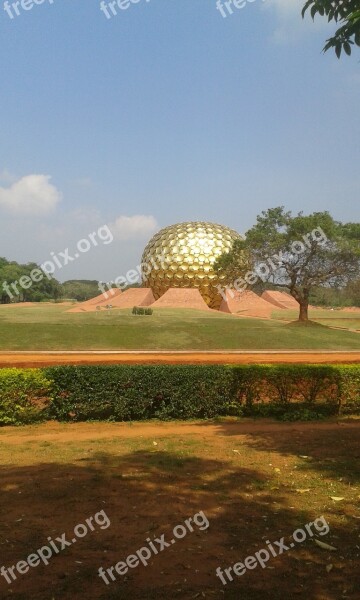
(167, 112)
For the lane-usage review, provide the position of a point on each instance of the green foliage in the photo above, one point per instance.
(46, 289)
(140, 310)
(11, 272)
(345, 12)
(301, 414)
(80, 289)
(336, 297)
(124, 393)
(24, 396)
(129, 393)
(238, 262)
(283, 384)
(349, 389)
(298, 252)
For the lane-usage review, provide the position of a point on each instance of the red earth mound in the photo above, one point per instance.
(280, 299)
(181, 298)
(132, 297)
(99, 301)
(247, 304)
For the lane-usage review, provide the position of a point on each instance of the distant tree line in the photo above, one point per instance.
(11, 271)
(44, 290)
(80, 289)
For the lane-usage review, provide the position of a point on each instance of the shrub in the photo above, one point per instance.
(124, 392)
(138, 392)
(24, 396)
(248, 381)
(285, 384)
(349, 389)
(140, 310)
(304, 414)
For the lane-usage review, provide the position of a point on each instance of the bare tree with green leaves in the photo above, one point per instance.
(305, 252)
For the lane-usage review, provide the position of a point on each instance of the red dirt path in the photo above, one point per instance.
(44, 359)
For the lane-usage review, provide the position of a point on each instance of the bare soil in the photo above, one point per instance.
(255, 481)
(45, 359)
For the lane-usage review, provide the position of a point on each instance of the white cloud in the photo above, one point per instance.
(136, 227)
(290, 24)
(287, 8)
(30, 195)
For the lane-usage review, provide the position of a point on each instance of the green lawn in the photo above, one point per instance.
(49, 327)
(330, 318)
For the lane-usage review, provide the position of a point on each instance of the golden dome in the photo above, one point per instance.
(183, 255)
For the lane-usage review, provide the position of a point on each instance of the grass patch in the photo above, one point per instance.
(50, 327)
(310, 323)
(326, 317)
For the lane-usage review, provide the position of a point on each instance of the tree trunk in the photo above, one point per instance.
(304, 311)
(302, 297)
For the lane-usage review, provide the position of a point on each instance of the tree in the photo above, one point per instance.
(80, 289)
(354, 291)
(298, 252)
(344, 12)
(11, 272)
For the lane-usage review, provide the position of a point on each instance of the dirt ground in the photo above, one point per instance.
(45, 359)
(254, 482)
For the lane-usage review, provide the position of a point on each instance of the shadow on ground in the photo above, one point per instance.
(146, 494)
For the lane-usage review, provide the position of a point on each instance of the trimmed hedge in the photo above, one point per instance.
(125, 393)
(24, 396)
(140, 310)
